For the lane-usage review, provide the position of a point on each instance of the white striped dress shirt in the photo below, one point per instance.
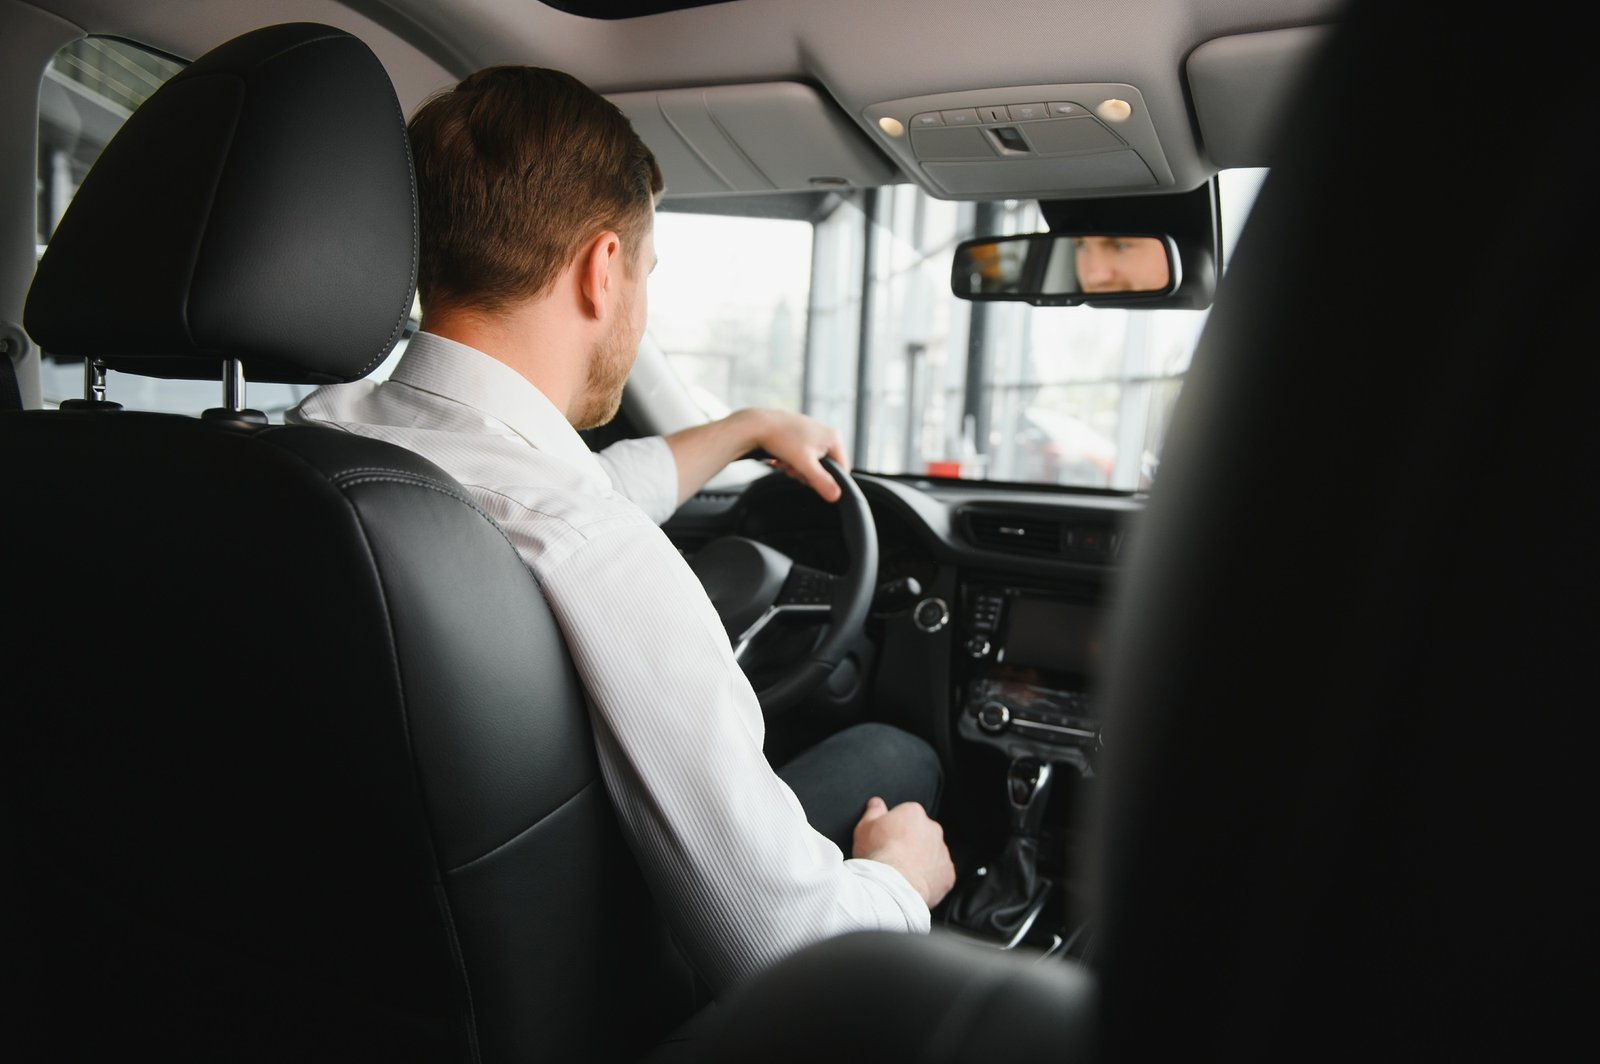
(740, 874)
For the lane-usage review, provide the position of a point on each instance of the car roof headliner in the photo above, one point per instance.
(852, 57)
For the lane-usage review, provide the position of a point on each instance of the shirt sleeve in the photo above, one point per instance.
(743, 877)
(644, 472)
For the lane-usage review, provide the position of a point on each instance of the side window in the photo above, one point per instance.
(89, 90)
(728, 307)
(87, 93)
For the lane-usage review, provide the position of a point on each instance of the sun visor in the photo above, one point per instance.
(1237, 83)
(771, 137)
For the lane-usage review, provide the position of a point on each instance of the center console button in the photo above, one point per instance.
(993, 716)
(931, 614)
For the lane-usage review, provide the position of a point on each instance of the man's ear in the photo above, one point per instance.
(600, 264)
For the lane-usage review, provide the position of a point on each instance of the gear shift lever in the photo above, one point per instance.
(1027, 788)
(1003, 902)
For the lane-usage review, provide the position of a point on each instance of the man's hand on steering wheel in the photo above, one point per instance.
(795, 444)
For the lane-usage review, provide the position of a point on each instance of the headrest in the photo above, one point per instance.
(259, 206)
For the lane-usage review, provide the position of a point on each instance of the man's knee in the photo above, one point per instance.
(905, 766)
(835, 778)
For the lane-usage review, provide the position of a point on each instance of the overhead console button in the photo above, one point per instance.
(1074, 135)
(1025, 112)
(946, 143)
(926, 119)
(1066, 110)
(961, 116)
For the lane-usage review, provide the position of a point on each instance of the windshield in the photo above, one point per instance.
(848, 315)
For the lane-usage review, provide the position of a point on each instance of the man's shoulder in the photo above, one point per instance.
(563, 499)
(335, 405)
(552, 512)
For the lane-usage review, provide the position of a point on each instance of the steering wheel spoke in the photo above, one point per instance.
(752, 586)
(816, 612)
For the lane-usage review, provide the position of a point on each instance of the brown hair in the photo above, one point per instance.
(518, 167)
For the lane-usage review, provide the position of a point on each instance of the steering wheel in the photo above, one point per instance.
(752, 584)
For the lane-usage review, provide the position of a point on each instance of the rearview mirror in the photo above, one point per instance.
(1064, 269)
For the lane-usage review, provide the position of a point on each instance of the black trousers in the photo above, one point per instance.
(834, 778)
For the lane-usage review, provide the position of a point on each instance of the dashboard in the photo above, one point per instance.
(989, 629)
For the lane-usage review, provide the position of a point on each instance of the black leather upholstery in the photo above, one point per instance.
(880, 996)
(1348, 774)
(295, 764)
(248, 210)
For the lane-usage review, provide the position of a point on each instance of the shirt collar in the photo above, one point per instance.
(463, 374)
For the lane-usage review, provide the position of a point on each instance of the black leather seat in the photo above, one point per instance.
(295, 764)
(1354, 701)
(1348, 782)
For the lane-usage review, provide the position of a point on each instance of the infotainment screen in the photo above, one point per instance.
(1048, 633)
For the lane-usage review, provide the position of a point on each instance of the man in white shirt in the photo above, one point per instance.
(537, 202)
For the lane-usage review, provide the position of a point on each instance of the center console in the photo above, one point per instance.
(1027, 659)
(1031, 655)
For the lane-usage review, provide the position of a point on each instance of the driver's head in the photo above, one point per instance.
(517, 169)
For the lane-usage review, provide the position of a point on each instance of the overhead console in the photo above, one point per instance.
(1025, 141)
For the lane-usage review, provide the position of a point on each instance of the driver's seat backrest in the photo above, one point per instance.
(295, 764)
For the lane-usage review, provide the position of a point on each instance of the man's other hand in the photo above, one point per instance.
(906, 839)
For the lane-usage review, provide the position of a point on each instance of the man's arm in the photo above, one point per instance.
(742, 875)
(795, 441)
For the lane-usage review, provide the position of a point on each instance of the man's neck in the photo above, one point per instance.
(530, 338)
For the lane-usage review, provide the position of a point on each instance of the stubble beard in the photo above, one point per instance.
(609, 366)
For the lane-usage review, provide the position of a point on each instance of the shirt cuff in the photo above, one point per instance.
(905, 896)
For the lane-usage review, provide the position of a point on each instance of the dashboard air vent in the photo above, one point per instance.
(1014, 533)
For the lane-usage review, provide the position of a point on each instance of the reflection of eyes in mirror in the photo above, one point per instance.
(1120, 263)
(1056, 267)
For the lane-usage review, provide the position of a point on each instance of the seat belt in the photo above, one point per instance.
(12, 344)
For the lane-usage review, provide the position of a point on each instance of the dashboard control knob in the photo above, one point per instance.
(931, 614)
(978, 646)
(994, 716)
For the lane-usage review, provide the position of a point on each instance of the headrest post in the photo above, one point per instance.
(233, 408)
(94, 389)
(94, 380)
(233, 385)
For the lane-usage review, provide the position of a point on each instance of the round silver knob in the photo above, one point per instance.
(931, 614)
(994, 716)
